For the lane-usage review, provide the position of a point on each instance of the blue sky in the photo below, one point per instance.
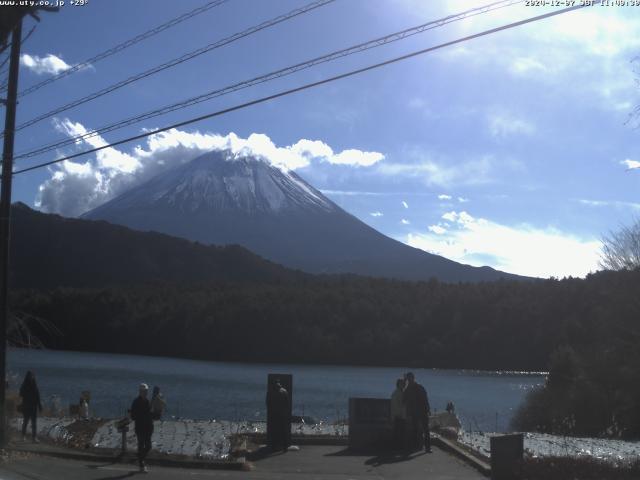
(515, 150)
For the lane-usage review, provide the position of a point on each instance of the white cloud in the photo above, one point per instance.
(404, 221)
(610, 203)
(463, 200)
(351, 193)
(356, 158)
(437, 229)
(376, 214)
(593, 44)
(503, 124)
(444, 197)
(49, 64)
(526, 65)
(75, 187)
(436, 173)
(521, 249)
(405, 204)
(109, 158)
(631, 164)
(450, 216)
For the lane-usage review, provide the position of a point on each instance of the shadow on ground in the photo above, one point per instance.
(120, 476)
(378, 458)
(264, 452)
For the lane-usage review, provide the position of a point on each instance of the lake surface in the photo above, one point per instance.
(236, 391)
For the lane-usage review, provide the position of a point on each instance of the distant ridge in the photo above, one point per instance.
(219, 199)
(50, 251)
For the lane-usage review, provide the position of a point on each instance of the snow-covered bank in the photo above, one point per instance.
(208, 439)
(538, 445)
(203, 439)
(211, 439)
(51, 428)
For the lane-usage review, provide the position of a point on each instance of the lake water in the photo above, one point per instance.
(236, 391)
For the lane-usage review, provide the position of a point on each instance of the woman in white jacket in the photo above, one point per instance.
(399, 416)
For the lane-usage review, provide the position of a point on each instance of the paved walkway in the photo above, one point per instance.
(314, 462)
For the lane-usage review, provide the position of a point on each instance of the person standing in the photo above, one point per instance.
(141, 415)
(30, 404)
(158, 404)
(399, 416)
(83, 410)
(418, 411)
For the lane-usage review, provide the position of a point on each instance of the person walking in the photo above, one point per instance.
(418, 411)
(399, 416)
(141, 415)
(30, 405)
(158, 404)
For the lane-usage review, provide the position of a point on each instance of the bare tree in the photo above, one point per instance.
(621, 249)
(22, 328)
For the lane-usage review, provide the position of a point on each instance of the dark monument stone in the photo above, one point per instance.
(369, 423)
(279, 423)
(506, 456)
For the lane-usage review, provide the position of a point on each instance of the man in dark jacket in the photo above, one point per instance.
(418, 411)
(30, 404)
(141, 415)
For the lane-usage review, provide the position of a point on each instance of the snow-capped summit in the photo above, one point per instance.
(220, 198)
(219, 181)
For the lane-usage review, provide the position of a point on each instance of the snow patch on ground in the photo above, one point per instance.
(203, 439)
(544, 445)
(207, 439)
(52, 428)
(200, 439)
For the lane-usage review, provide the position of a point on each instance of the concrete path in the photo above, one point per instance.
(313, 462)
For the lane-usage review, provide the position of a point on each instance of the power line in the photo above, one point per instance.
(122, 46)
(3, 63)
(28, 35)
(306, 87)
(377, 42)
(176, 61)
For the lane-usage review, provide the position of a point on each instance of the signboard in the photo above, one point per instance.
(506, 457)
(369, 423)
(275, 427)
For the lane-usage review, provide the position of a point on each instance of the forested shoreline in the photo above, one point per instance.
(504, 325)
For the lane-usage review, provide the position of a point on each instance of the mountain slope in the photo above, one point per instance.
(49, 251)
(216, 199)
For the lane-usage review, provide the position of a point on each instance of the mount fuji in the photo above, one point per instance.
(221, 199)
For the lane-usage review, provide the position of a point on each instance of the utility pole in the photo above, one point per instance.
(10, 23)
(5, 217)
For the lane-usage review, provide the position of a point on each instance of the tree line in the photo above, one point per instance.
(348, 320)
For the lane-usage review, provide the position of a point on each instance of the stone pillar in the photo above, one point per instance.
(274, 418)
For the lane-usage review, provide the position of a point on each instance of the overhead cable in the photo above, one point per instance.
(304, 87)
(375, 43)
(122, 46)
